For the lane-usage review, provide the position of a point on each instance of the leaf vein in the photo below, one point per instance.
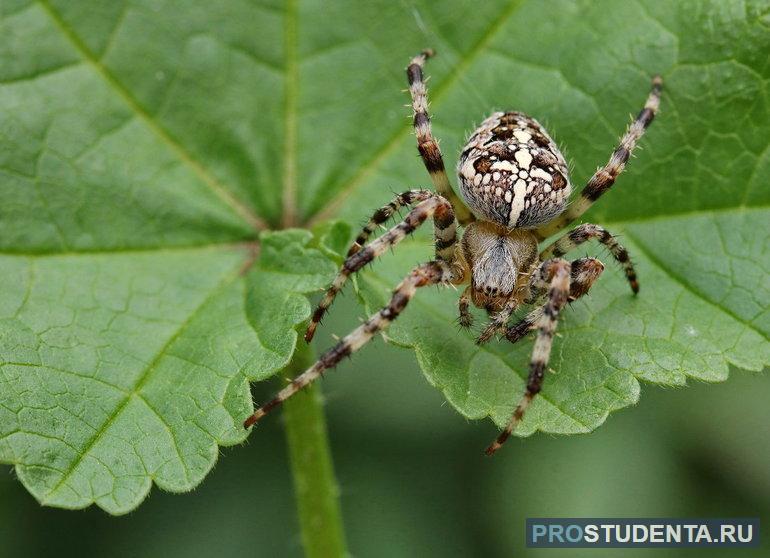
(289, 196)
(139, 384)
(644, 249)
(131, 101)
(388, 147)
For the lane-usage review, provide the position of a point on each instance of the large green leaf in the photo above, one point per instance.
(123, 368)
(146, 144)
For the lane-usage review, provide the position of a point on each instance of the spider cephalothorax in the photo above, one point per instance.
(500, 262)
(516, 185)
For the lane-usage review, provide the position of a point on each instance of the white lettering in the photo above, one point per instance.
(674, 533)
(641, 533)
(690, 529)
(591, 533)
(703, 534)
(749, 536)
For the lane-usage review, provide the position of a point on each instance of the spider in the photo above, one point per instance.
(515, 184)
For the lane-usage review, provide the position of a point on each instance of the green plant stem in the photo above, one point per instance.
(315, 487)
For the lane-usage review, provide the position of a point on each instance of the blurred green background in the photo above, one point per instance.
(414, 481)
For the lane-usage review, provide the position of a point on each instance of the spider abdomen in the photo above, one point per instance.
(512, 173)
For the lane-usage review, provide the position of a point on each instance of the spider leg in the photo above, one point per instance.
(384, 213)
(497, 322)
(583, 274)
(538, 287)
(426, 144)
(605, 177)
(558, 295)
(431, 273)
(445, 229)
(584, 233)
(463, 305)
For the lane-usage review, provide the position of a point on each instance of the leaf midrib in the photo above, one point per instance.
(255, 244)
(212, 246)
(649, 254)
(291, 83)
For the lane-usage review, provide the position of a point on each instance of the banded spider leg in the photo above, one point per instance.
(441, 270)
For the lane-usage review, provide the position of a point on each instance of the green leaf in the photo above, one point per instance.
(123, 368)
(148, 148)
(134, 311)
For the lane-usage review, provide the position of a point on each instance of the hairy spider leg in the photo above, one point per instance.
(560, 271)
(583, 274)
(426, 144)
(463, 306)
(445, 231)
(588, 231)
(404, 199)
(430, 273)
(605, 177)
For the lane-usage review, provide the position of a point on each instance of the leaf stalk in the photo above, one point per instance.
(315, 487)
